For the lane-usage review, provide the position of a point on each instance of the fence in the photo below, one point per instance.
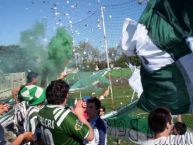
(90, 29)
(10, 81)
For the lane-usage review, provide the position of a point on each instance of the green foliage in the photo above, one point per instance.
(121, 62)
(86, 56)
(13, 59)
(29, 54)
(187, 118)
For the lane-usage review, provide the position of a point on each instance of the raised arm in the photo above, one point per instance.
(79, 110)
(15, 92)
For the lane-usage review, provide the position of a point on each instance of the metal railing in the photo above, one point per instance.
(10, 81)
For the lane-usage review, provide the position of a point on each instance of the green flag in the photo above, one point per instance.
(162, 39)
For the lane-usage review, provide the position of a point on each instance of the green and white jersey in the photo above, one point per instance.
(20, 112)
(60, 126)
(31, 122)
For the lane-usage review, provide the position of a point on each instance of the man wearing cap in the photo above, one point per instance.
(59, 125)
(32, 79)
(35, 96)
(22, 105)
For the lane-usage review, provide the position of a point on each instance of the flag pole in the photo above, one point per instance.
(106, 50)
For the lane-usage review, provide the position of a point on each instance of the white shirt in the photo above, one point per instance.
(97, 135)
(187, 138)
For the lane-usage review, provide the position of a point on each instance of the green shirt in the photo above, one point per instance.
(60, 126)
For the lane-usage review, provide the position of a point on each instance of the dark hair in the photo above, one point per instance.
(104, 109)
(180, 127)
(57, 92)
(96, 101)
(31, 75)
(158, 119)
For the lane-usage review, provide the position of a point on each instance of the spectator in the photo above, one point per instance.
(85, 99)
(32, 79)
(3, 108)
(22, 105)
(38, 96)
(100, 131)
(180, 128)
(102, 111)
(59, 125)
(102, 115)
(161, 123)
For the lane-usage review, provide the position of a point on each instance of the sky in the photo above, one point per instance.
(82, 18)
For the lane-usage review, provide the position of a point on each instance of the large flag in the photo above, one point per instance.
(91, 81)
(162, 38)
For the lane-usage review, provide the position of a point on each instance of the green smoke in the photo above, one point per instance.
(31, 41)
(28, 54)
(59, 54)
(60, 49)
(32, 53)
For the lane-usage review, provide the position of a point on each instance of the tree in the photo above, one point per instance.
(86, 56)
(113, 53)
(12, 59)
(123, 60)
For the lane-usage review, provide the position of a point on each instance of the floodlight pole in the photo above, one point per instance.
(105, 35)
(106, 49)
(76, 57)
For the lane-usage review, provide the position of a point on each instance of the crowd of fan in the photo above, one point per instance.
(42, 116)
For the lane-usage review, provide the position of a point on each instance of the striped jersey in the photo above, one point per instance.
(20, 110)
(59, 126)
(2, 140)
(187, 138)
(31, 122)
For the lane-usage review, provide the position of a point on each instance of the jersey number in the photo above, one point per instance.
(47, 136)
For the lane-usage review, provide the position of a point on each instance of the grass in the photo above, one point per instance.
(187, 118)
(122, 72)
(122, 95)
